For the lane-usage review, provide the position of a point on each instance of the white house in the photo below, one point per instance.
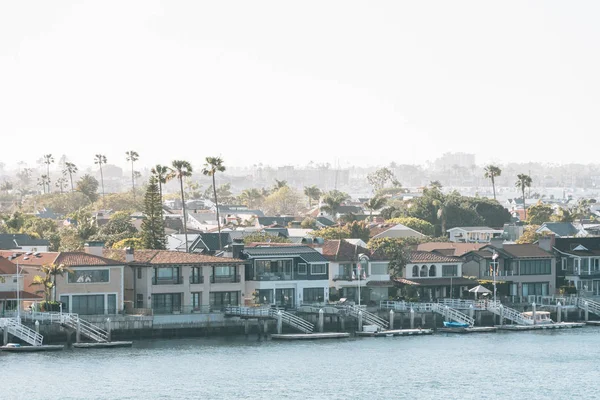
(474, 234)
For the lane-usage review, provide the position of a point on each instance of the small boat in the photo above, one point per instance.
(13, 345)
(389, 334)
(541, 318)
(453, 324)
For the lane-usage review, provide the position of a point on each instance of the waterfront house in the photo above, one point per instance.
(208, 243)
(346, 273)
(474, 234)
(578, 262)
(177, 282)
(12, 287)
(285, 275)
(435, 275)
(527, 269)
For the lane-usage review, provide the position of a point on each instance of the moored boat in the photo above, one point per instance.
(453, 324)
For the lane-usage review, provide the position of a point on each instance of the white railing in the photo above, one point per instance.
(86, 328)
(267, 312)
(367, 317)
(15, 328)
(452, 314)
(592, 306)
(508, 313)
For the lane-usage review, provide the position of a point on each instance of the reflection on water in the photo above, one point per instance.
(519, 365)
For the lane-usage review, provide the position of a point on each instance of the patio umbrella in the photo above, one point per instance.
(479, 289)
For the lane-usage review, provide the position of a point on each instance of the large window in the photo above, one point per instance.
(224, 274)
(89, 276)
(166, 276)
(219, 299)
(284, 297)
(166, 302)
(449, 270)
(313, 295)
(535, 267)
(273, 270)
(196, 299)
(379, 268)
(88, 304)
(265, 296)
(415, 271)
(196, 276)
(538, 289)
(318, 269)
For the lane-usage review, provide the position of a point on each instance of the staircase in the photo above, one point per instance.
(15, 328)
(263, 312)
(508, 313)
(367, 317)
(452, 314)
(593, 306)
(87, 329)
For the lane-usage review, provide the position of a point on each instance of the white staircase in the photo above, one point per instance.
(368, 317)
(87, 329)
(452, 314)
(26, 334)
(593, 306)
(508, 313)
(264, 312)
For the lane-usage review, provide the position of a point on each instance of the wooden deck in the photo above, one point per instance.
(396, 332)
(102, 345)
(473, 329)
(562, 325)
(310, 336)
(29, 349)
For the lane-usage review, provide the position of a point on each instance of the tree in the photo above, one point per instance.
(55, 270)
(153, 227)
(161, 172)
(308, 223)
(523, 182)
(332, 202)
(278, 185)
(6, 186)
(180, 170)
(134, 243)
(417, 224)
(261, 237)
(379, 178)
(48, 159)
(101, 159)
(491, 172)
(88, 185)
(132, 156)
(61, 184)
(44, 182)
(117, 228)
(539, 213)
(313, 193)
(211, 167)
(435, 185)
(529, 235)
(70, 169)
(492, 212)
(252, 198)
(284, 201)
(395, 250)
(374, 204)
(45, 281)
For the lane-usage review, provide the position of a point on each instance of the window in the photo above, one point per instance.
(449, 270)
(220, 299)
(224, 271)
(139, 272)
(196, 276)
(563, 264)
(139, 300)
(313, 295)
(415, 271)
(379, 268)
(196, 299)
(537, 289)
(89, 276)
(284, 297)
(318, 269)
(432, 270)
(224, 274)
(424, 271)
(265, 296)
(302, 269)
(535, 267)
(166, 302)
(65, 302)
(88, 304)
(166, 276)
(111, 301)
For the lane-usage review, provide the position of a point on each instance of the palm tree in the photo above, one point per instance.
(45, 282)
(523, 181)
(44, 182)
(132, 156)
(70, 169)
(332, 202)
(313, 193)
(161, 172)
(61, 184)
(181, 169)
(491, 172)
(53, 271)
(212, 166)
(101, 159)
(279, 184)
(375, 203)
(251, 197)
(48, 159)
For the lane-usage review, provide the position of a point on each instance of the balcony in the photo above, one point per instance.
(224, 278)
(176, 280)
(343, 277)
(195, 279)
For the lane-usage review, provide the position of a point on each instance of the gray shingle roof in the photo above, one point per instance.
(308, 254)
(562, 229)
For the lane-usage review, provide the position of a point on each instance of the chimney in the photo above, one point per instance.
(497, 242)
(129, 254)
(95, 248)
(236, 248)
(547, 242)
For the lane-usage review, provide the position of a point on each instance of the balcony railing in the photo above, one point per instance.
(196, 279)
(224, 278)
(176, 280)
(499, 273)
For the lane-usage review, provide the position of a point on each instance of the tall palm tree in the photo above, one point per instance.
(161, 173)
(523, 182)
(132, 156)
(211, 167)
(375, 203)
(44, 182)
(332, 202)
(48, 159)
(6, 186)
(101, 159)
(70, 169)
(61, 184)
(55, 270)
(179, 170)
(313, 193)
(491, 172)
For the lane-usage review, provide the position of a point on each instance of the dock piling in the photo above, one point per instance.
(391, 319)
(558, 312)
(471, 311)
(5, 336)
(501, 315)
(587, 311)
(533, 311)
(108, 329)
(360, 321)
(279, 322)
(78, 332)
(321, 320)
(37, 326)
(423, 320)
(412, 318)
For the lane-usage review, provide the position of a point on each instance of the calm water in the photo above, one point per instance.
(520, 365)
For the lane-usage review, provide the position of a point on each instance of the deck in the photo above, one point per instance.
(102, 345)
(396, 332)
(310, 336)
(29, 349)
(473, 329)
(562, 325)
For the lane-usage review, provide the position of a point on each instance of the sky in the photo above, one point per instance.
(281, 82)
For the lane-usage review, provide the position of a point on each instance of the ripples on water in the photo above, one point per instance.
(518, 365)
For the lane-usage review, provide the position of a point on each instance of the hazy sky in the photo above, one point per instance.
(287, 82)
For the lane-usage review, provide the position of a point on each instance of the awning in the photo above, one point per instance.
(480, 289)
(387, 283)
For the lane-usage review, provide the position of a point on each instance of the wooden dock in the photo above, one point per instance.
(102, 345)
(396, 332)
(473, 329)
(310, 336)
(562, 325)
(593, 323)
(29, 349)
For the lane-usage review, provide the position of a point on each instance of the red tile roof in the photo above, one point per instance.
(426, 256)
(77, 258)
(155, 257)
(33, 260)
(7, 267)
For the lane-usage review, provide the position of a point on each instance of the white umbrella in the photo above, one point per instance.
(479, 289)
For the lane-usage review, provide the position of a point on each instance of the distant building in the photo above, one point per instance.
(474, 234)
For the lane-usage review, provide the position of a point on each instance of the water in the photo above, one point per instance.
(517, 365)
